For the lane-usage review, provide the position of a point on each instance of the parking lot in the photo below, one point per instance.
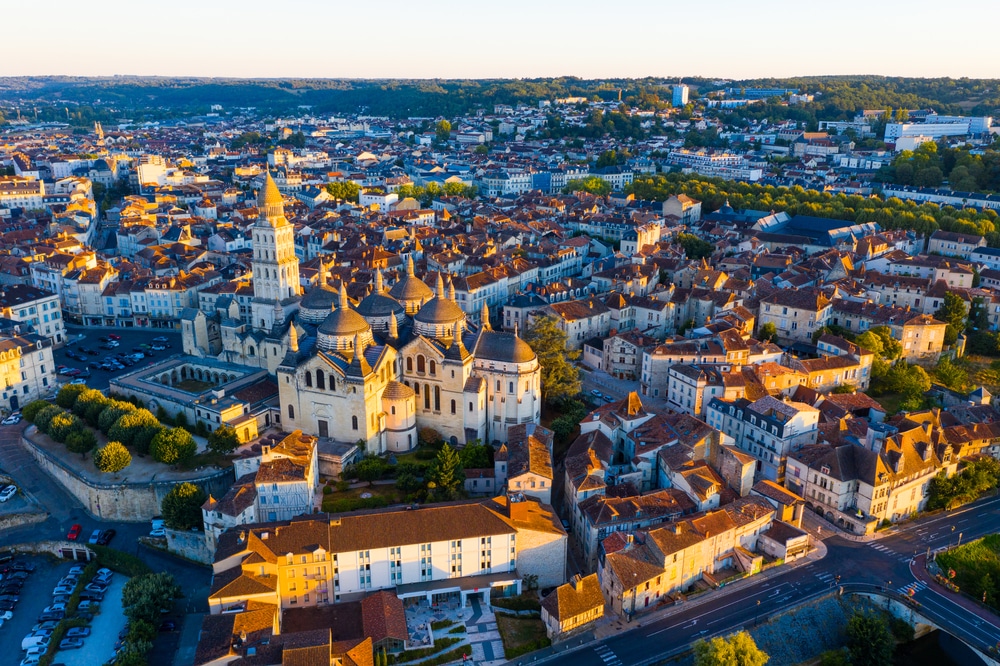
(130, 338)
(99, 647)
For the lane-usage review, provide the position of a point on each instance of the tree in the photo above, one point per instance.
(112, 458)
(113, 411)
(443, 130)
(953, 312)
(62, 425)
(145, 596)
(43, 418)
(446, 473)
(68, 394)
(136, 429)
(694, 247)
(89, 405)
(346, 190)
(32, 408)
(737, 649)
(560, 378)
(767, 332)
(369, 469)
(181, 507)
(81, 441)
(223, 440)
(173, 446)
(476, 455)
(951, 374)
(869, 640)
(592, 184)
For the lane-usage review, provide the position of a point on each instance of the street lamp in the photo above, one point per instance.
(756, 619)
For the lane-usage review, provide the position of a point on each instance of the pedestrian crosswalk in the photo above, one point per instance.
(826, 577)
(885, 550)
(914, 587)
(607, 655)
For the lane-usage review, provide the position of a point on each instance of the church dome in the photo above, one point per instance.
(397, 391)
(411, 288)
(439, 311)
(504, 347)
(317, 304)
(380, 305)
(340, 326)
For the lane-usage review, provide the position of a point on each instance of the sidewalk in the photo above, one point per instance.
(918, 567)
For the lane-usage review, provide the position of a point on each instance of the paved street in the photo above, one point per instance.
(873, 563)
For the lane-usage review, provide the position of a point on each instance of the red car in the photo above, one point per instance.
(74, 532)
(114, 336)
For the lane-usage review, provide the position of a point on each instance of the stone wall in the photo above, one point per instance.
(124, 501)
(189, 545)
(19, 519)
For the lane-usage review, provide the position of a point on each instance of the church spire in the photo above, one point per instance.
(269, 200)
(486, 317)
(440, 287)
(378, 281)
(451, 288)
(293, 338)
(393, 326)
(409, 266)
(323, 274)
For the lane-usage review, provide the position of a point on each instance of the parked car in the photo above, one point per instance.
(86, 616)
(76, 571)
(158, 533)
(106, 537)
(94, 536)
(78, 632)
(7, 605)
(79, 382)
(31, 661)
(104, 338)
(51, 615)
(105, 573)
(114, 336)
(62, 589)
(70, 643)
(159, 346)
(68, 581)
(169, 625)
(92, 596)
(22, 566)
(62, 599)
(10, 598)
(54, 607)
(8, 491)
(95, 587)
(88, 606)
(17, 575)
(161, 338)
(608, 398)
(13, 419)
(74, 532)
(50, 625)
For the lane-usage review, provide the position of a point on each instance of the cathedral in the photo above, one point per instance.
(378, 370)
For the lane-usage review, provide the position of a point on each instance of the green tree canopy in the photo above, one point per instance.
(136, 429)
(767, 332)
(82, 441)
(181, 507)
(869, 640)
(953, 311)
(32, 408)
(68, 394)
(112, 458)
(737, 649)
(369, 469)
(476, 455)
(113, 411)
(145, 596)
(694, 247)
(591, 184)
(560, 378)
(443, 130)
(223, 439)
(346, 190)
(172, 446)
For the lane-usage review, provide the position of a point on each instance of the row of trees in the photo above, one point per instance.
(144, 598)
(890, 213)
(977, 477)
(932, 164)
(78, 409)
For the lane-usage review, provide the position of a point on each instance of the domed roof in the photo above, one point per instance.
(343, 322)
(396, 391)
(320, 297)
(726, 209)
(503, 346)
(410, 288)
(439, 311)
(379, 305)
(269, 195)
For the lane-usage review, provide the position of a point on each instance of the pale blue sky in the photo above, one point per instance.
(506, 38)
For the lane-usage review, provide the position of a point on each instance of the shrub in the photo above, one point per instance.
(120, 562)
(112, 458)
(173, 446)
(32, 408)
(327, 490)
(68, 395)
(334, 505)
(87, 400)
(136, 429)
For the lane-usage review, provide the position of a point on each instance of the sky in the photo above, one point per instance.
(503, 39)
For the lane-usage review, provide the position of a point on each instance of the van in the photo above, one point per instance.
(31, 641)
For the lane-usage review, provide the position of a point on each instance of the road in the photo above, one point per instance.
(860, 565)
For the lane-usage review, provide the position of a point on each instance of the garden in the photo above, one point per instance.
(118, 430)
(974, 568)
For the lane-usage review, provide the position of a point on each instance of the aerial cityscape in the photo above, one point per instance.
(404, 361)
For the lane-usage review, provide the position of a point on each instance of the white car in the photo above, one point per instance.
(6, 615)
(54, 608)
(158, 533)
(13, 419)
(31, 661)
(7, 493)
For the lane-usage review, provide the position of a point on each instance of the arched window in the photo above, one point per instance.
(392, 410)
(498, 386)
(470, 406)
(416, 387)
(409, 364)
(354, 422)
(420, 364)
(320, 380)
(433, 367)
(309, 379)
(452, 406)
(427, 397)
(437, 398)
(511, 387)
(291, 412)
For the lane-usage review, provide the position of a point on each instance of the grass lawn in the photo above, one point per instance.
(208, 458)
(521, 635)
(977, 567)
(193, 385)
(891, 402)
(352, 500)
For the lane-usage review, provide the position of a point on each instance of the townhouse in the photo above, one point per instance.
(795, 314)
